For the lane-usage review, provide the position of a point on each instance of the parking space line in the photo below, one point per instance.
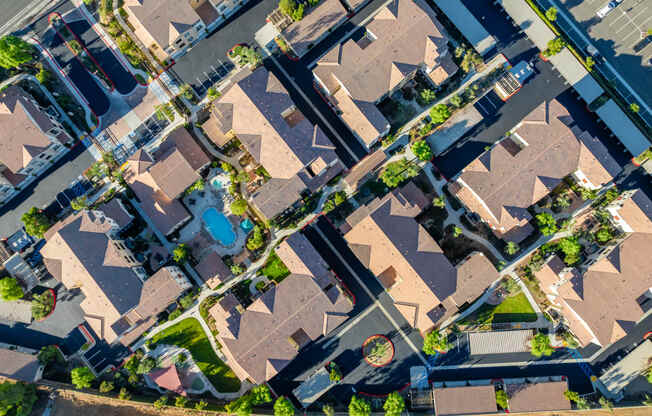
(484, 110)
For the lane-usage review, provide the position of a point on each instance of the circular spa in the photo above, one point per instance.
(219, 227)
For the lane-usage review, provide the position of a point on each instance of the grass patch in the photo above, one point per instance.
(274, 269)
(513, 309)
(190, 335)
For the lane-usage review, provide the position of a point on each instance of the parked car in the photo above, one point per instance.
(608, 8)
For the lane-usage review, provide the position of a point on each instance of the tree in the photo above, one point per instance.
(603, 235)
(501, 399)
(335, 374)
(17, 398)
(439, 201)
(394, 404)
(186, 301)
(551, 14)
(546, 223)
(589, 62)
(297, 14)
(554, 47)
(106, 386)
(181, 253)
(201, 405)
(239, 206)
(456, 101)
(541, 345)
(426, 96)
(574, 397)
(397, 172)
(459, 52)
(197, 186)
(79, 203)
(470, 61)
(634, 107)
(421, 150)
(36, 223)
(261, 394)
(160, 402)
(181, 401)
(359, 407)
(82, 377)
(511, 248)
(606, 403)
(146, 365)
(97, 169)
(49, 354)
(328, 410)
(562, 201)
(571, 248)
(43, 76)
(42, 305)
(236, 269)
(10, 289)
(457, 231)
(287, 7)
(256, 239)
(213, 93)
(587, 194)
(435, 342)
(283, 407)
(440, 113)
(14, 52)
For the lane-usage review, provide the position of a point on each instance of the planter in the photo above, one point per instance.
(378, 350)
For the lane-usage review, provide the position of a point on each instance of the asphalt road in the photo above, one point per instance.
(44, 190)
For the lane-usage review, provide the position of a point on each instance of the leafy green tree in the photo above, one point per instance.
(501, 399)
(397, 172)
(197, 186)
(297, 14)
(82, 377)
(456, 101)
(634, 108)
(459, 52)
(470, 61)
(394, 404)
(439, 201)
(435, 342)
(606, 403)
(15, 52)
(554, 47)
(237, 269)
(551, 14)
(239, 206)
(43, 76)
(546, 223)
(181, 401)
(181, 253)
(132, 363)
(511, 248)
(106, 386)
(587, 194)
(146, 365)
(571, 248)
(287, 7)
(603, 235)
(10, 289)
(79, 203)
(201, 405)
(49, 354)
(328, 410)
(283, 407)
(97, 169)
(36, 223)
(426, 96)
(421, 150)
(187, 301)
(440, 113)
(541, 345)
(562, 201)
(256, 239)
(160, 402)
(213, 93)
(42, 305)
(17, 399)
(359, 407)
(261, 395)
(457, 231)
(574, 397)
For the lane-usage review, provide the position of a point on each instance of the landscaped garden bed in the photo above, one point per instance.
(189, 334)
(378, 350)
(274, 269)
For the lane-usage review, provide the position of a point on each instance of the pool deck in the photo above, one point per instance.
(220, 200)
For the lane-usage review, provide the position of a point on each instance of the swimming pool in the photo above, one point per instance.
(246, 225)
(217, 183)
(219, 226)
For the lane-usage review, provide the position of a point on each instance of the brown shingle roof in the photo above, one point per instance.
(359, 172)
(23, 125)
(18, 365)
(387, 239)
(212, 270)
(467, 400)
(301, 34)
(115, 210)
(538, 397)
(506, 179)
(161, 289)
(181, 140)
(300, 257)
(164, 20)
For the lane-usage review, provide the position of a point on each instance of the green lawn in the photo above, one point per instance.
(274, 268)
(513, 309)
(190, 335)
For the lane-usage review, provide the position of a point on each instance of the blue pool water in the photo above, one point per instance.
(246, 225)
(218, 226)
(217, 183)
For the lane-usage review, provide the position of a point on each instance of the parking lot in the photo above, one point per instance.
(207, 62)
(621, 37)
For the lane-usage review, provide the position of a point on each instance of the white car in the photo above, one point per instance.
(608, 8)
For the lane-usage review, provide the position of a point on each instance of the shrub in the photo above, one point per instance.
(511, 248)
(237, 269)
(456, 101)
(439, 201)
(541, 345)
(49, 354)
(603, 235)
(634, 108)
(10, 289)
(554, 47)
(239, 206)
(283, 407)
(551, 14)
(174, 314)
(421, 150)
(106, 386)
(359, 407)
(394, 404)
(36, 223)
(181, 401)
(201, 405)
(82, 377)
(457, 231)
(181, 253)
(43, 76)
(328, 410)
(124, 394)
(256, 239)
(397, 172)
(161, 402)
(261, 394)
(501, 399)
(546, 223)
(146, 365)
(440, 113)
(435, 342)
(426, 96)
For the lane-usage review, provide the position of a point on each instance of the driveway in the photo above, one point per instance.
(206, 63)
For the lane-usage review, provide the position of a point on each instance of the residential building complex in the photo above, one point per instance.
(526, 165)
(121, 301)
(298, 155)
(402, 38)
(425, 287)
(32, 139)
(160, 178)
(261, 339)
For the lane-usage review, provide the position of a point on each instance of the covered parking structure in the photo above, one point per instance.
(623, 128)
(468, 25)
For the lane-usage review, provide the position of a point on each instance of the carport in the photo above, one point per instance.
(499, 342)
(623, 128)
(577, 76)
